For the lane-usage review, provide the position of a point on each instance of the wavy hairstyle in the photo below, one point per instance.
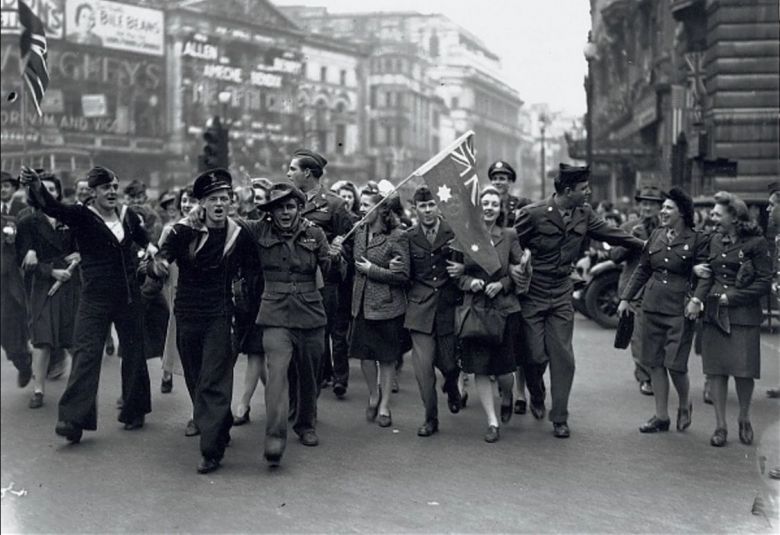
(684, 204)
(491, 190)
(371, 190)
(738, 210)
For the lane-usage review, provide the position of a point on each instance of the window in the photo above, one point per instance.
(436, 119)
(322, 140)
(388, 99)
(388, 169)
(343, 77)
(454, 103)
(388, 137)
(341, 138)
(373, 96)
(323, 74)
(399, 142)
(372, 133)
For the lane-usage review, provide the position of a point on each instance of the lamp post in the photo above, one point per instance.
(224, 97)
(543, 120)
(590, 52)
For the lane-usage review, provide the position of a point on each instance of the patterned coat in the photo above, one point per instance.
(380, 292)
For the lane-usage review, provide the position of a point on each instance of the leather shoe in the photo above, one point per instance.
(166, 385)
(539, 411)
(655, 425)
(120, 403)
(192, 429)
(309, 438)
(506, 410)
(492, 434)
(68, 430)
(646, 388)
(719, 438)
(384, 420)
(428, 428)
(135, 423)
(521, 406)
(36, 401)
(340, 389)
(454, 400)
(274, 448)
(23, 377)
(684, 417)
(207, 465)
(243, 419)
(746, 433)
(561, 430)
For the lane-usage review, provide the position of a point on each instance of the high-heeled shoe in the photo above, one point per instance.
(506, 409)
(243, 419)
(373, 410)
(654, 425)
(384, 420)
(745, 432)
(684, 417)
(719, 438)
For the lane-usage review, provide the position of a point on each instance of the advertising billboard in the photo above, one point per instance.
(114, 25)
(51, 13)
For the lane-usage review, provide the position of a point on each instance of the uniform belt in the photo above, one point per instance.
(291, 287)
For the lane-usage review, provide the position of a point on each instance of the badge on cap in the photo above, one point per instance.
(499, 165)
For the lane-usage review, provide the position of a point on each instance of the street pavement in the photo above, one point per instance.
(607, 478)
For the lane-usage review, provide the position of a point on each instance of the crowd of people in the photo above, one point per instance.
(301, 278)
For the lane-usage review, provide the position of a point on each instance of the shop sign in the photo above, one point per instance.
(115, 25)
(50, 12)
(645, 112)
(200, 50)
(94, 105)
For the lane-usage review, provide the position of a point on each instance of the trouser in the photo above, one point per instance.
(283, 347)
(78, 404)
(547, 329)
(338, 333)
(334, 364)
(13, 331)
(207, 358)
(641, 372)
(429, 351)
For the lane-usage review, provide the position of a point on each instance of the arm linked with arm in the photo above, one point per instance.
(762, 264)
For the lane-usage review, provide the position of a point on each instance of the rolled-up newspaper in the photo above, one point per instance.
(71, 268)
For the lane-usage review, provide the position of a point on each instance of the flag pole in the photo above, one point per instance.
(419, 172)
(24, 123)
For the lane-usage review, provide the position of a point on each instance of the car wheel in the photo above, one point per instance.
(601, 299)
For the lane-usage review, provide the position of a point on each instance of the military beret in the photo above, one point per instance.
(571, 174)
(136, 187)
(306, 153)
(99, 175)
(649, 193)
(684, 203)
(261, 182)
(167, 197)
(210, 181)
(774, 187)
(501, 166)
(281, 191)
(8, 177)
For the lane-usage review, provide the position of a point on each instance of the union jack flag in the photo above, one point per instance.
(34, 52)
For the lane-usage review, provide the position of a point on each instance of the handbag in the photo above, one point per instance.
(625, 329)
(480, 321)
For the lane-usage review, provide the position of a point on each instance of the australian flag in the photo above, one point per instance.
(34, 51)
(451, 176)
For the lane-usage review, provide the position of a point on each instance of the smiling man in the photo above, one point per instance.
(554, 230)
(106, 233)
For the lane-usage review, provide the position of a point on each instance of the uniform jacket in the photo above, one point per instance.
(510, 207)
(630, 257)
(328, 211)
(289, 266)
(665, 271)
(509, 252)
(556, 246)
(201, 278)
(380, 292)
(432, 294)
(106, 263)
(742, 270)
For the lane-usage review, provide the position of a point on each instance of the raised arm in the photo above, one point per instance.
(72, 215)
(600, 230)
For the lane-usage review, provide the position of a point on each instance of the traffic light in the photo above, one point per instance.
(216, 150)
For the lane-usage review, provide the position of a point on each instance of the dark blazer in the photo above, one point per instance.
(106, 263)
(743, 271)
(509, 252)
(555, 246)
(11, 278)
(433, 295)
(630, 257)
(329, 212)
(665, 271)
(381, 291)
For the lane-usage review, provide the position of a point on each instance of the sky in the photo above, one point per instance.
(540, 42)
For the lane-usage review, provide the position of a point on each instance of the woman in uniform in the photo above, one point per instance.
(740, 274)
(665, 271)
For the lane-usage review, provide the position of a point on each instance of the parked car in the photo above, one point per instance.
(597, 295)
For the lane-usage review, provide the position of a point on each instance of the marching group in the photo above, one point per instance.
(301, 279)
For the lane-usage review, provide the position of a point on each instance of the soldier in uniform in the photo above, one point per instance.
(13, 331)
(292, 315)
(328, 211)
(649, 200)
(430, 310)
(554, 230)
(502, 176)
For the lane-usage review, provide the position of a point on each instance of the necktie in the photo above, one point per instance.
(566, 215)
(5, 208)
(431, 235)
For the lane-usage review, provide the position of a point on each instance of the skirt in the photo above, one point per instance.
(484, 358)
(737, 354)
(666, 341)
(52, 319)
(380, 340)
